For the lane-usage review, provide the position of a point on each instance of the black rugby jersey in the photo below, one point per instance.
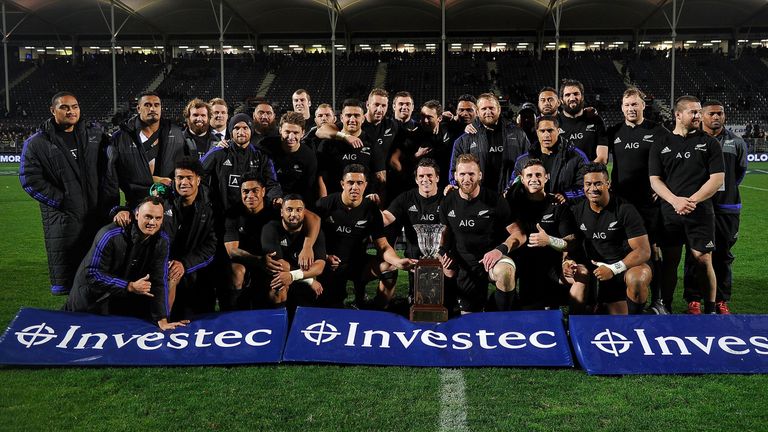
(606, 234)
(347, 229)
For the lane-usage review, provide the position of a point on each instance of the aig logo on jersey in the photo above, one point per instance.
(685, 155)
(496, 149)
(599, 235)
(349, 156)
(634, 145)
(467, 223)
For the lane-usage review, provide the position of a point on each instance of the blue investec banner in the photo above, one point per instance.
(649, 344)
(43, 337)
(380, 338)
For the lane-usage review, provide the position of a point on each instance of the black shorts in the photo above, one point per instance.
(472, 288)
(651, 214)
(696, 229)
(612, 290)
(539, 282)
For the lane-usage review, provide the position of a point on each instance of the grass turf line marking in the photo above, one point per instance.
(755, 188)
(453, 401)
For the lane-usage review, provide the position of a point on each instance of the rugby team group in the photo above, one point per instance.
(243, 210)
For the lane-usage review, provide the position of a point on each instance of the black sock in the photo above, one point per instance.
(655, 287)
(634, 308)
(503, 299)
(709, 307)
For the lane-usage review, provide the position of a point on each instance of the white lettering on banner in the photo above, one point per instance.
(40, 334)
(323, 332)
(10, 159)
(757, 157)
(615, 343)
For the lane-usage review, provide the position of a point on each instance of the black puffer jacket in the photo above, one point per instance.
(200, 245)
(117, 257)
(129, 167)
(515, 143)
(565, 177)
(74, 199)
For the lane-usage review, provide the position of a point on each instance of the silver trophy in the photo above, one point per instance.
(428, 278)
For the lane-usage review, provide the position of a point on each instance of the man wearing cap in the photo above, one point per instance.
(224, 166)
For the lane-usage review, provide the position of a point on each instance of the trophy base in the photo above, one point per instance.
(429, 313)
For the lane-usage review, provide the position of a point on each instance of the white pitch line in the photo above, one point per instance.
(453, 401)
(755, 188)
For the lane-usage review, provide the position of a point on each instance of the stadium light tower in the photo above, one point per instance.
(333, 16)
(673, 26)
(442, 39)
(557, 14)
(5, 62)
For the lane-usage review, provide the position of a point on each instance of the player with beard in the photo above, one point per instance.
(562, 161)
(466, 113)
(263, 122)
(630, 142)
(615, 243)
(549, 229)
(727, 204)
(197, 134)
(219, 118)
(416, 206)
(335, 155)
(283, 240)
(477, 239)
(496, 144)
(430, 139)
(686, 170)
(295, 163)
(582, 128)
(125, 271)
(349, 220)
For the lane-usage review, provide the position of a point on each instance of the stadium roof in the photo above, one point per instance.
(174, 19)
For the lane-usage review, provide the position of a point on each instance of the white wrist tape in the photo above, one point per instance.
(615, 268)
(341, 135)
(557, 243)
(297, 275)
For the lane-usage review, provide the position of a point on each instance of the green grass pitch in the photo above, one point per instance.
(342, 398)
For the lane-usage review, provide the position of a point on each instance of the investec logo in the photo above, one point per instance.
(616, 344)
(355, 337)
(74, 338)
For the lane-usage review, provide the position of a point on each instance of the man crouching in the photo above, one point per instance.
(124, 272)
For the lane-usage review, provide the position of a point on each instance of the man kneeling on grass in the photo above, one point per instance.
(124, 272)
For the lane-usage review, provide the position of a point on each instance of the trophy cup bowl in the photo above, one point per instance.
(428, 278)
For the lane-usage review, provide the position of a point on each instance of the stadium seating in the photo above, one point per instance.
(741, 83)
